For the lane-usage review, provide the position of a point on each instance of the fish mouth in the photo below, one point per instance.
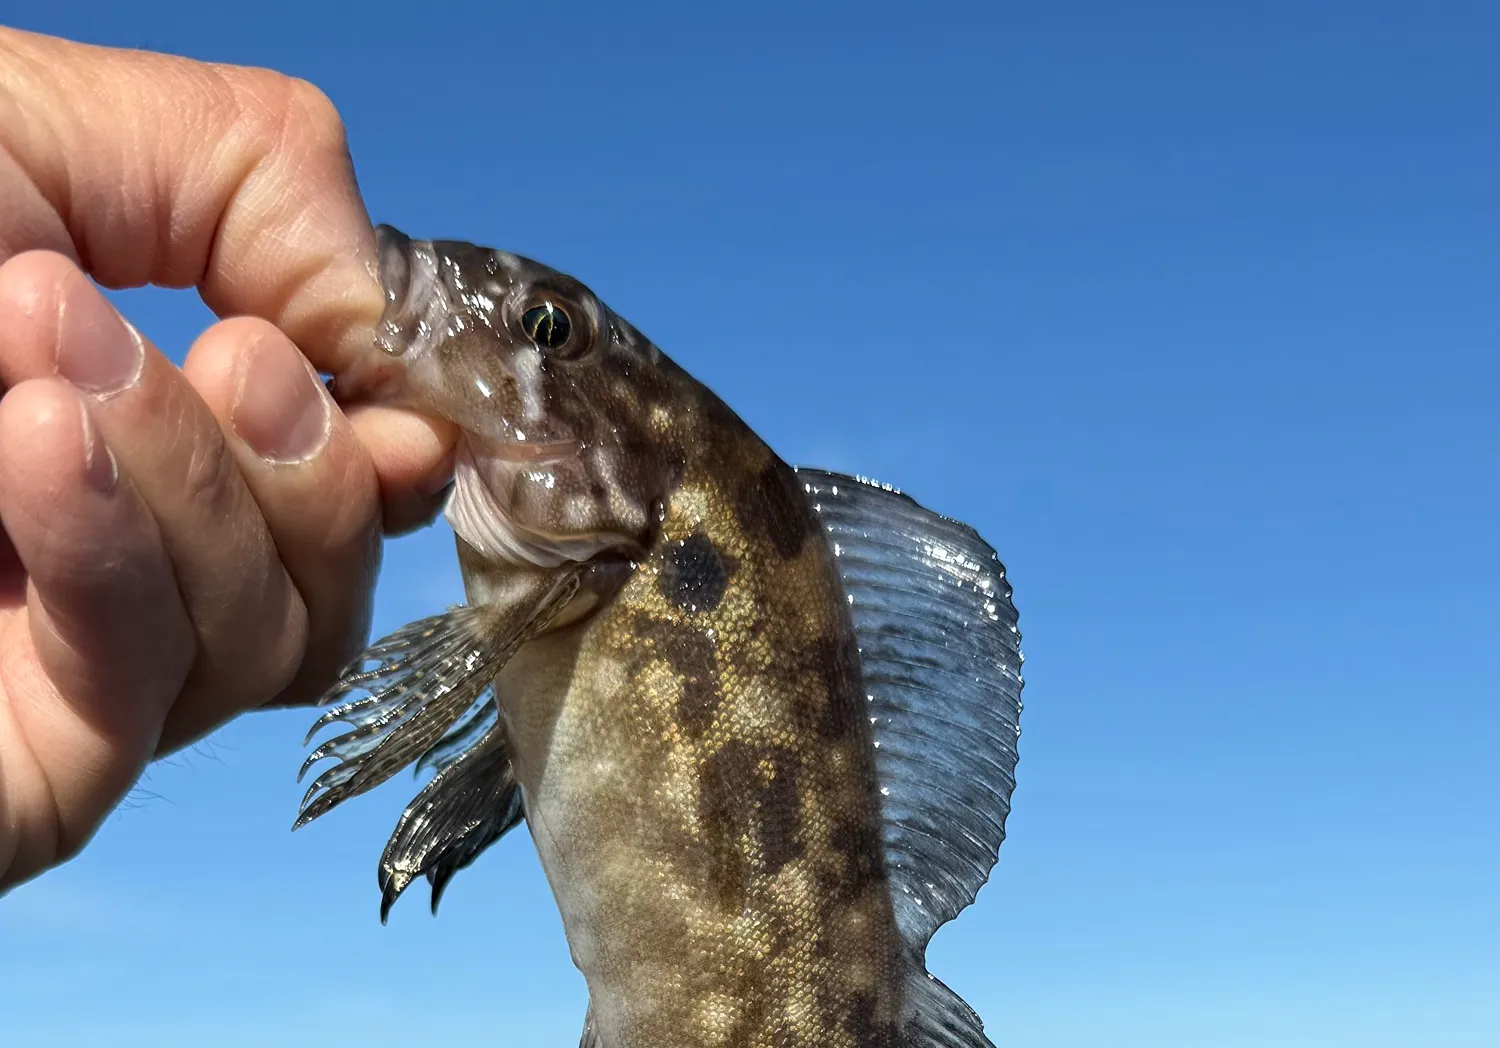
(417, 300)
(517, 453)
(422, 283)
(393, 249)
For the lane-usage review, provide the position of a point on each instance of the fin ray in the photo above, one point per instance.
(471, 803)
(434, 671)
(939, 1018)
(941, 662)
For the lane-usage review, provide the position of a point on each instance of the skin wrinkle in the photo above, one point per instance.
(271, 124)
(51, 816)
(19, 677)
(16, 122)
(210, 484)
(282, 131)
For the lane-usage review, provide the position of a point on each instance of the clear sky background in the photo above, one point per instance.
(1190, 309)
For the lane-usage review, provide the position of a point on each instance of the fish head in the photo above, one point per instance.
(553, 395)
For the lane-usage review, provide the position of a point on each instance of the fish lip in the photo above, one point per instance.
(416, 303)
(520, 453)
(419, 302)
(393, 249)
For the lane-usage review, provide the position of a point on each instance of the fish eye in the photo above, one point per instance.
(547, 324)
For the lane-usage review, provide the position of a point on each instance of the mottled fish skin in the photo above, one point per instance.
(692, 745)
(698, 775)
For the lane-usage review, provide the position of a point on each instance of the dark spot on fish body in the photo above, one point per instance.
(769, 507)
(835, 659)
(741, 798)
(725, 775)
(780, 814)
(694, 575)
(864, 860)
(864, 1026)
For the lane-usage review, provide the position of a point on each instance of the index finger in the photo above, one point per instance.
(152, 169)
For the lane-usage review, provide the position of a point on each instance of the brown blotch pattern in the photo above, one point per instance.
(691, 654)
(744, 804)
(740, 904)
(864, 858)
(779, 808)
(725, 817)
(769, 507)
(865, 1025)
(836, 659)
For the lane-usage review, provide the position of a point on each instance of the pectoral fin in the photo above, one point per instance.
(425, 676)
(471, 803)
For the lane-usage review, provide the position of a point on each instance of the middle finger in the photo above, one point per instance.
(250, 621)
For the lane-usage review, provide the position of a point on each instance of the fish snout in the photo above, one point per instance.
(416, 307)
(394, 250)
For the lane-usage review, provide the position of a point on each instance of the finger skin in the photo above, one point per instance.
(162, 170)
(323, 512)
(154, 169)
(127, 610)
(249, 618)
(414, 456)
(102, 645)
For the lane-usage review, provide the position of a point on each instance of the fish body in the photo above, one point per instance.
(700, 784)
(688, 668)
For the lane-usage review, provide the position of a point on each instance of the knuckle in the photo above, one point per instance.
(313, 112)
(292, 113)
(208, 473)
(275, 112)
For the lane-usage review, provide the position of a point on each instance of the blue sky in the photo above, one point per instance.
(1190, 311)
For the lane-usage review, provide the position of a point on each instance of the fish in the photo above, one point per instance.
(760, 721)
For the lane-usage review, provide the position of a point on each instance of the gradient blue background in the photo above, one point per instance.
(1192, 313)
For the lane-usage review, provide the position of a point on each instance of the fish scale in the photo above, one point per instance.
(760, 722)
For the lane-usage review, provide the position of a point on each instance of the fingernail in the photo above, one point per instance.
(279, 408)
(99, 466)
(96, 350)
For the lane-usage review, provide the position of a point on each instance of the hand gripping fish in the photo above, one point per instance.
(760, 722)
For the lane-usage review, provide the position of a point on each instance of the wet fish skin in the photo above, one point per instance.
(687, 730)
(698, 778)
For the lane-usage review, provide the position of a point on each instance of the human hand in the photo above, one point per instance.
(179, 546)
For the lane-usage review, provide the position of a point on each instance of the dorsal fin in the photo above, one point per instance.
(940, 657)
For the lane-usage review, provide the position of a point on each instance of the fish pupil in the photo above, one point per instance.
(547, 326)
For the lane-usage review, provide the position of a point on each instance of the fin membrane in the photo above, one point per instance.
(426, 676)
(940, 658)
(471, 803)
(590, 1038)
(938, 1018)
